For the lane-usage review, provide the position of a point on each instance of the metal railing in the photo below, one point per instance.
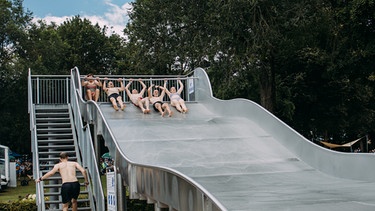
(49, 89)
(55, 89)
(34, 147)
(85, 144)
(148, 80)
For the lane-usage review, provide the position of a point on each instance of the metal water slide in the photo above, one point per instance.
(230, 155)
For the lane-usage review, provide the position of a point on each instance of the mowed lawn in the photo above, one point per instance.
(14, 194)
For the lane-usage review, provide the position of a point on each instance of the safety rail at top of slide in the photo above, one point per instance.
(163, 186)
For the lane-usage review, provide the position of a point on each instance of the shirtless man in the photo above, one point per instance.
(113, 93)
(137, 98)
(91, 85)
(70, 186)
(175, 97)
(157, 101)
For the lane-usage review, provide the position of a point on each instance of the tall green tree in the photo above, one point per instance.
(14, 129)
(89, 48)
(167, 37)
(45, 50)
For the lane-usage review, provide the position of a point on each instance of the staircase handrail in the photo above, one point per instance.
(39, 199)
(134, 173)
(86, 147)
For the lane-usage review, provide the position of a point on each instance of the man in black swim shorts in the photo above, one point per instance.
(70, 186)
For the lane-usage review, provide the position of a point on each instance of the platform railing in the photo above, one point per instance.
(34, 147)
(171, 80)
(50, 89)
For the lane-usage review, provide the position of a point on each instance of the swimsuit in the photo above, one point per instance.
(175, 96)
(69, 191)
(154, 105)
(91, 87)
(114, 95)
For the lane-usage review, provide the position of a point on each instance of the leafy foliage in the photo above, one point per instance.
(309, 62)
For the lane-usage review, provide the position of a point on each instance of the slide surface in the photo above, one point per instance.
(235, 160)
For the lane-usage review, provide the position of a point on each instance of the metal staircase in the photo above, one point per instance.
(55, 134)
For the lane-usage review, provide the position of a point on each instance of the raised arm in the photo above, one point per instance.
(84, 81)
(181, 87)
(127, 87)
(165, 88)
(122, 88)
(143, 87)
(149, 91)
(105, 84)
(98, 82)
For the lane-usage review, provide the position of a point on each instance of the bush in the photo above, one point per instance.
(21, 205)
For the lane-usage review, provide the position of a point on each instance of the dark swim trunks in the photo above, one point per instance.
(154, 105)
(69, 191)
(114, 95)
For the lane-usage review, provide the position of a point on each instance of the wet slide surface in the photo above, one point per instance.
(234, 159)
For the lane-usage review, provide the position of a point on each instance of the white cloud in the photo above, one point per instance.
(115, 18)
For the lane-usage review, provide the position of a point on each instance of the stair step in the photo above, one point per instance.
(52, 120)
(56, 141)
(55, 135)
(58, 201)
(84, 192)
(53, 124)
(50, 109)
(56, 152)
(55, 146)
(58, 185)
(45, 167)
(54, 130)
(55, 159)
(50, 114)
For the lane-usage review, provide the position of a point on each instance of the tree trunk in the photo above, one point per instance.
(267, 89)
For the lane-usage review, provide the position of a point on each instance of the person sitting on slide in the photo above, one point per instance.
(175, 97)
(113, 93)
(137, 97)
(157, 101)
(91, 84)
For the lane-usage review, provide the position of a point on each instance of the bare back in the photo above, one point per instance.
(67, 171)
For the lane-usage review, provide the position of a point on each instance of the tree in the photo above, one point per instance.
(88, 46)
(167, 37)
(14, 129)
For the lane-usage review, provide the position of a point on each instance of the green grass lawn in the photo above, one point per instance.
(14, 194)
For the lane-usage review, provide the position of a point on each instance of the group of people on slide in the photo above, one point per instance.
(136, 97)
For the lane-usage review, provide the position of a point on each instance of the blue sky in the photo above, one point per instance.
(112, 13)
